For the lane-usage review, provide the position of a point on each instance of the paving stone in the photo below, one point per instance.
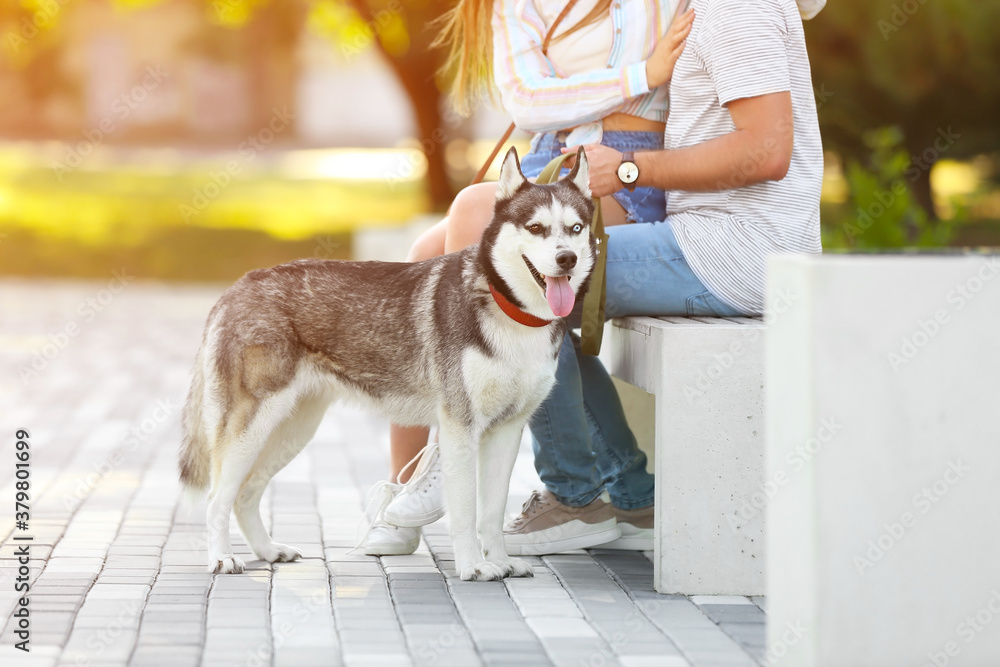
(421, 583)
(561, 627)
(118, 592)
(307, 657)
(157, 656)
(653, 661)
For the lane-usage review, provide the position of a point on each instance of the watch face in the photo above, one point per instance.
(628, 172)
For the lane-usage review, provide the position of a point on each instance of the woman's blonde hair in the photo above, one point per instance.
(467, 32)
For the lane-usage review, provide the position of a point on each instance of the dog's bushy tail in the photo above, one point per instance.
(195, 458)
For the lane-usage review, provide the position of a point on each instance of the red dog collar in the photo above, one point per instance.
(515, 313)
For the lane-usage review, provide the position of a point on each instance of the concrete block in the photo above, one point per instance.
(883, 463)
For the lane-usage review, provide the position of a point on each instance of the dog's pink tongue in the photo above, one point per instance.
(560, 295)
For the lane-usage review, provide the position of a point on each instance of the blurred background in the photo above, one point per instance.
(197, 139)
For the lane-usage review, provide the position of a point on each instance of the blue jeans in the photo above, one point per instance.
(582, 443)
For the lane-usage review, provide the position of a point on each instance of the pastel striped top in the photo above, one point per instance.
(542, 97)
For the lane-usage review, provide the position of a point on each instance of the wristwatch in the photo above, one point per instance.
(628, 171)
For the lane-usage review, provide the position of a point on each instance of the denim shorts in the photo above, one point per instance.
(643, 205)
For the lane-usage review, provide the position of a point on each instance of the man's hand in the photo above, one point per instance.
(603, 162)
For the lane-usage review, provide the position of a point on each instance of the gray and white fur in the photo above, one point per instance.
(424, 343)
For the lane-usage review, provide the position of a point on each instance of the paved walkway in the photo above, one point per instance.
(98, 372)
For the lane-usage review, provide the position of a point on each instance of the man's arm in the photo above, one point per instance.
(758, 150)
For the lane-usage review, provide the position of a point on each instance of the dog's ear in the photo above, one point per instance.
(511, 177)
(580, 174)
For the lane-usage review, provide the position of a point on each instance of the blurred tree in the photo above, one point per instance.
(929, 68)
(402, 32)
(29, 73)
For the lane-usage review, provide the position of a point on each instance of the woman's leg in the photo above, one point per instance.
(470, 214)
(405, 442)
(430, 243)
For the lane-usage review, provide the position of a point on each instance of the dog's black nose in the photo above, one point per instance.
(566, 259)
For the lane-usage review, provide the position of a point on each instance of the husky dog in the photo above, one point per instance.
(468, 342)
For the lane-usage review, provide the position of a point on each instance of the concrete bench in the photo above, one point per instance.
(706, 375)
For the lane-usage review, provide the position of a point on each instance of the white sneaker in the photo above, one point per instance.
(421, 500)
(384, 539)
(387, 540)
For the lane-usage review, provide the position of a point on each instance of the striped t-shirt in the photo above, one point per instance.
(739, 49)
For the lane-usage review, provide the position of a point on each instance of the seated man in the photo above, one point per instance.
(744, 166)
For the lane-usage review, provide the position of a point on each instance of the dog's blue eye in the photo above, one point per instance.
(577, 228)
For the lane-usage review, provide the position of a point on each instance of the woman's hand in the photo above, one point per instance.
(660, 64)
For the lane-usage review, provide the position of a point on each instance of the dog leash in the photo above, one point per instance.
(592, 320)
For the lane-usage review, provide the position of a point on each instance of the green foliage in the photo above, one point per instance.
(885, 213)
(923, 65)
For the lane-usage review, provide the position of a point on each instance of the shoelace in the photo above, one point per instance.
(534, 502)
(428, 478)
(381, 493)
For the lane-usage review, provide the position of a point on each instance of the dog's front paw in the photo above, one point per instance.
(227, 564)
(483, 571)
(279, 553)
(515, 567)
